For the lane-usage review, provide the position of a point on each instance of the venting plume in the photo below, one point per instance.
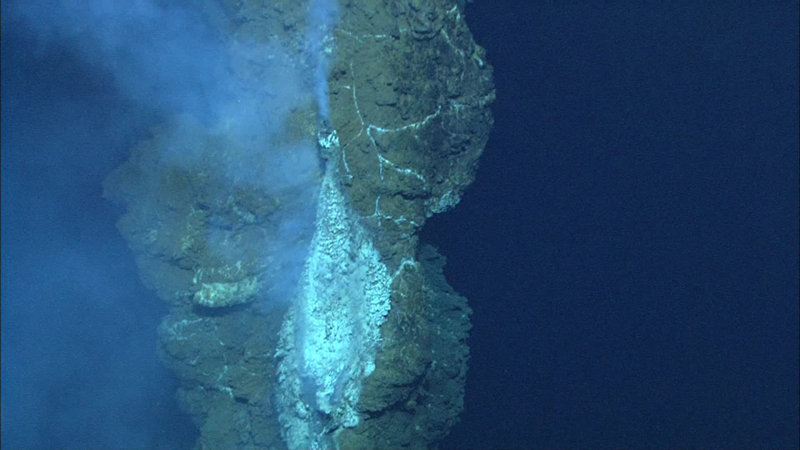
(228, 102)
(322, 16)
(229, 106)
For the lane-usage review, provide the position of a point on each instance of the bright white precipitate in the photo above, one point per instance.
(329, 338)
(331, 332)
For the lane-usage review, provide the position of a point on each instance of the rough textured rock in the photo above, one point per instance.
(409, 92)
(409, 95)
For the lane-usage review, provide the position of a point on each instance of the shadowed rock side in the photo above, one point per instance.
(409, 92)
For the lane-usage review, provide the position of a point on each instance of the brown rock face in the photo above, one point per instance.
(221, 216)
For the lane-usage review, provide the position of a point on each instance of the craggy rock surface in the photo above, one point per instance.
(409, 93)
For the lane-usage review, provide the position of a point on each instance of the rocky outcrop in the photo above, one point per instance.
(409, 92)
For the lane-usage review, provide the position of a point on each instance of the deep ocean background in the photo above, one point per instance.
(79, 364)
(629, 248)
(630, 245)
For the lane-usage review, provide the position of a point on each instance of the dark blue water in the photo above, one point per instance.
(630, 246)
(79, 364)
